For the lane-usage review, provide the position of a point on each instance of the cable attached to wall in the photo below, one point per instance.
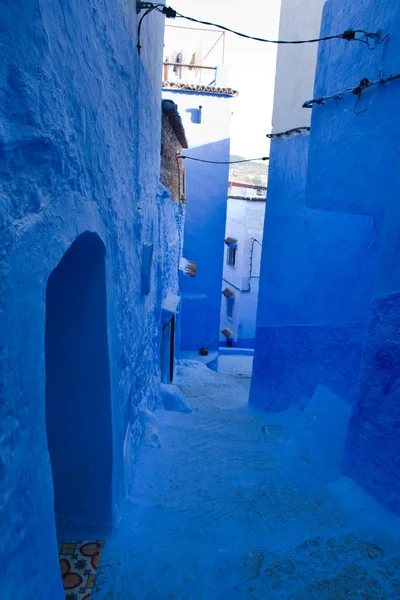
(150, 7)
(358, 90)
(350, 35)
(246, 291)
(223, 162)
(272, 136)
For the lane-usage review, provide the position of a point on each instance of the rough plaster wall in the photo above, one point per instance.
(371, 160)
(295, 68)
(372, 450)
(316, 285)
(319, 266)
(171, 223)
(79, 150)
(351, 153)
(171, 170)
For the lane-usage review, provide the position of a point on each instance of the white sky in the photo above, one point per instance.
(251, 64)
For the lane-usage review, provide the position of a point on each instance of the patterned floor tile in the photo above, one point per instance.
(79, 562)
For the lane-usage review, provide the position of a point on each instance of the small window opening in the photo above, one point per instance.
(229, 307)
(231, 256)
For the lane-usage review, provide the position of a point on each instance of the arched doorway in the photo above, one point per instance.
(78, 404)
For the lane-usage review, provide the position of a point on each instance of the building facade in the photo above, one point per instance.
(206, 115)
(318, 265)
(366, 170)
(241, 274)
(90, 244)
(329, 289)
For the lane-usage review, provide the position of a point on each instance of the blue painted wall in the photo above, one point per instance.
(80, 124)
(364, 151)
(330, 277)
(171, 231)
(350, 153)
(206, 192)
(316, 283)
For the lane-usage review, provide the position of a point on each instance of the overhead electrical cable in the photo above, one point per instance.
(350, 35)
(223, 162)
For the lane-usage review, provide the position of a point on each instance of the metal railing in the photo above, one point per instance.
(188, 73)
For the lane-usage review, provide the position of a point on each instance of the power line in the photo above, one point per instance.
(271, 136)
(217, 162)
(348, 35)
(357, 90)
(150, 7)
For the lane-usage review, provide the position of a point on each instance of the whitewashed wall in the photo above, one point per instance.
(296, 64)
(245, 221)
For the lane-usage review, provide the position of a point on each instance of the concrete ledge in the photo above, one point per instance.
(224, 351)
(211, 361)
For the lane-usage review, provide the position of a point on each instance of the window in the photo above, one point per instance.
(231, 251)
(231, 256)
(229, 307)
(230, 299)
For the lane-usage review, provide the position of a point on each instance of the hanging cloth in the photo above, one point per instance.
(177, 69)
(192, 61)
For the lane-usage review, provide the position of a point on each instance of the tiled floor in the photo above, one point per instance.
(79, 562)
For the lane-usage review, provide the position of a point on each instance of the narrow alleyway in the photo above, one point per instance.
(224, 510)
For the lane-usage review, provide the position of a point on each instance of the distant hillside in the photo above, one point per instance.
(255, 173)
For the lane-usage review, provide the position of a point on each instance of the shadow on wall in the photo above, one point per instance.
(207, 197)
(78, 403)
(195, 114)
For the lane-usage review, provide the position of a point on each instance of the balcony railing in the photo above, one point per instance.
(188, 73)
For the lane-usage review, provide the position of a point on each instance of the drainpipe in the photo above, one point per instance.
(253, 241)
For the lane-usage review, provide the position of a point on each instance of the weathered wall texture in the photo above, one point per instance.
(79, 151)
(171, 226)
(330, 285)
(318, 266)
(172, 171)
(351, 154)
(364, 153)
(206, 191)
(316, 284)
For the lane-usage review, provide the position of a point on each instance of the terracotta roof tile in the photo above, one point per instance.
(210, 89)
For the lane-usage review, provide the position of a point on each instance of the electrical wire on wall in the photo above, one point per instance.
(148, 11)
(273, 136)
(357, 91)
(350, 35)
